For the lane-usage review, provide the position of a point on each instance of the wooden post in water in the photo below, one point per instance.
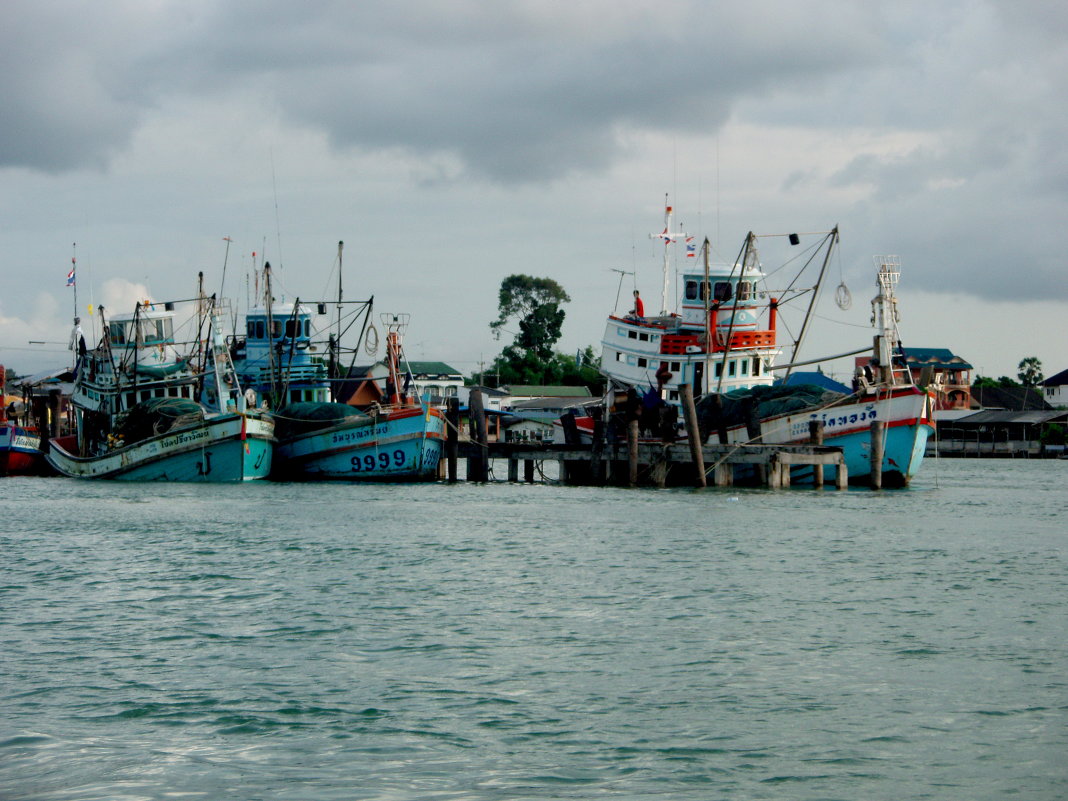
(528, 470)
(632, 452)
(477, 467)
(815, 436)
(877, 429)
(693, 434)
(513, 470)
(752, 427)
(452, 436)
(597, 448)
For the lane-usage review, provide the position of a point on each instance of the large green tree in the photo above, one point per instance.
(533, 305)
(1030, 371)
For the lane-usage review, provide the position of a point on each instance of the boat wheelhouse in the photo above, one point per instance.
(144, 411)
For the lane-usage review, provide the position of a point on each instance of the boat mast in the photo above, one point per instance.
(830, 242)
(885, 315)
(706, 294)
(669, 238)
(337, 339)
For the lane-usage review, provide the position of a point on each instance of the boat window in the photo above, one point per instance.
(619, 356)
(131, 399)
(643, 362)
(719, 369)
(673, 395)
(643, 337)
(722, 291)
(117, 334)
(745, 366)
(745, 290)
(691, 290)
(276, 329)
(632, 334)
(756, 365)
(261, 329)
(732, 367)
(292, 328)
(307, 327)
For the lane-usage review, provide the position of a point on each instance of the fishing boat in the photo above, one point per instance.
(723, 343)
(144, 411)
(395, 437)
(20, 445)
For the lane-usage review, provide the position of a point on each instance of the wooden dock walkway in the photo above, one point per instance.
(633, 461)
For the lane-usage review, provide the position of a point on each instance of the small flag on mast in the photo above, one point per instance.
(70, 275)
(691, 248)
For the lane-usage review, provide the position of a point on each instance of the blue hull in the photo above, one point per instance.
(222, 450)
(402, 446)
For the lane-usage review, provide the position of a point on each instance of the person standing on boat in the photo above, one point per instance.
(77, 343)
(639, 307)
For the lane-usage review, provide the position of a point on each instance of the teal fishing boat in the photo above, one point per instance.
(144, 410)
(390, 436)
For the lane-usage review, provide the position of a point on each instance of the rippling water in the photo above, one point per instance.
(513, 642)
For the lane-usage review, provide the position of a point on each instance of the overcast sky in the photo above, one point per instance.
(452, 143)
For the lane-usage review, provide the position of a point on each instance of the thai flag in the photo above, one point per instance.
(691, 248)
(70, 277)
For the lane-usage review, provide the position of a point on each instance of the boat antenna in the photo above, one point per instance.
(226, 258)
(619, 287)
(669, 238)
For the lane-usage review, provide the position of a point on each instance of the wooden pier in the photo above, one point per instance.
(635, 461)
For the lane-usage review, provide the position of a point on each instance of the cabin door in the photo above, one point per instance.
(698, 379)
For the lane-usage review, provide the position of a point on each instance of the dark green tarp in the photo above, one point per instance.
(157, 416)
(300, 418)
(759, 403)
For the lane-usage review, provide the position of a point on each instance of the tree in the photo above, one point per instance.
(1030, 371)
(534, 303)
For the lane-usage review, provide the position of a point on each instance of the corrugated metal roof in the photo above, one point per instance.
(1006, 416)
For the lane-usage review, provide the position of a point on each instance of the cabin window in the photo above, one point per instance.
(307, 327)
(745, 290)
(719, 369)
(745, 366)
(675, 367)
(632, 334)
(276, 329)
(673, 395)
(722, 291)
(619, 356)
(117, 334)
(642, 362)
(732, 368)
(621, 331)
(261, 329)
(293, 328)
(756, 365)
(691, 290)
(643, 337)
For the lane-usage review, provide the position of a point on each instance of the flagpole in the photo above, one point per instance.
(74, 276)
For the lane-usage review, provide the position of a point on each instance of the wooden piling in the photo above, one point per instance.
(877, 429)
(815, 436)
(693, 434)
(452, 436)
(632, 452)
(513, 470)
(478, 461)
(528, 470)
(597, 449)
